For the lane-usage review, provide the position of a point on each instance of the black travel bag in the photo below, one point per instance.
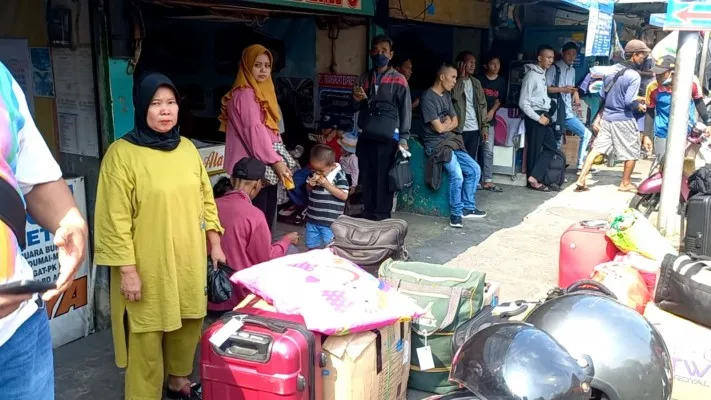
(684, 287)
(698, 225)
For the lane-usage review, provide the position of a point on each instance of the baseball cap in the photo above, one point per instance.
(249, 169)
(636, 46)
(664, 64)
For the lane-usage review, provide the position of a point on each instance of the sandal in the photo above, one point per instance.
(628, 189)
(541, 188)
(191, 391)
(492, 188)
(581, 188)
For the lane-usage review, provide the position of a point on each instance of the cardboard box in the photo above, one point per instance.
(368, 365)
(492, 293)
(689, 345)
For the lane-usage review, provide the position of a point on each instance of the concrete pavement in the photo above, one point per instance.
(517, 245)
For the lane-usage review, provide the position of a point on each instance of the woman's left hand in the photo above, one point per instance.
(217, 256)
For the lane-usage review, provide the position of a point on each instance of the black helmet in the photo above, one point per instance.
(630, 358)
(516, 361)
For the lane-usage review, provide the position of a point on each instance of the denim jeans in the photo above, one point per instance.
(317, 236)
(464, 174)
(576, 126)
(486, 156)
(27, 361)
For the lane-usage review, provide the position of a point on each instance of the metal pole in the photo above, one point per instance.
(704, 57)
(678, 129)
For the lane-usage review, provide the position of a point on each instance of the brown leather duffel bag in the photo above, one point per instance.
(369, 243)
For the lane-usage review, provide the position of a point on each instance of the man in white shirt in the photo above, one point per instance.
(29, 172)
(561, 83)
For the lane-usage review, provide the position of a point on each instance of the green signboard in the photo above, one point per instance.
(360, 7)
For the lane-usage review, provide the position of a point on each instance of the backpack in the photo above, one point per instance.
(450, 296)
(555, 175)
(12, 212)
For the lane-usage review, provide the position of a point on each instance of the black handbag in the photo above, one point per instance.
(219, 286)
(400, 175)
(381, 121)
(684, 287)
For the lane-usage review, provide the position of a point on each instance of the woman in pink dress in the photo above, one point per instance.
(250, 119)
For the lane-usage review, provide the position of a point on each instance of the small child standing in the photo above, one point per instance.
(349, 160)
(328, 192)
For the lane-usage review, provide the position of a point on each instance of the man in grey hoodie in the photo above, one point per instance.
(536, 105)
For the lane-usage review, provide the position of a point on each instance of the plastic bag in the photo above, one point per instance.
(630, 231)
(219, 286)
(625, 282)
(648, 269)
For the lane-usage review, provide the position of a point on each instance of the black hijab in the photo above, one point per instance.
(142, 135)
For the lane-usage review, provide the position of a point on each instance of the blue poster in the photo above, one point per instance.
(599, 37)
(42, 76)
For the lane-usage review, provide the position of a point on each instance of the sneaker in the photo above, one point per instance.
(475, 213)
(455, 221)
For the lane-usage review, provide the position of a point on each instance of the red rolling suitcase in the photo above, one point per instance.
(582, 247)
(271, 357)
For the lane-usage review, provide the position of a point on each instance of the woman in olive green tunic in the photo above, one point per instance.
(154, 211)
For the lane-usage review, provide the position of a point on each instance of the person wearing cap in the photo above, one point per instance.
(247, 240)
(349, 160)
(616, 120)
(561, 83)
(659, 98)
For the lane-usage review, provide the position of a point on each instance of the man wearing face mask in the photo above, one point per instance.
(616, 120)
(658, 99)
(385, 113)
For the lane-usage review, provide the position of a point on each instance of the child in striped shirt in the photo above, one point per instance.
(328, 191)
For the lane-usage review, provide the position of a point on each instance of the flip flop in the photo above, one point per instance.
(542, 188)
(492, 188)
(579, 188)
(628, 189)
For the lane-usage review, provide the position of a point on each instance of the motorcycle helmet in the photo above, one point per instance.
(516, 361)
(630, 357)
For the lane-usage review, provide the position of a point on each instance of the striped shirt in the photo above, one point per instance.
(324, 207)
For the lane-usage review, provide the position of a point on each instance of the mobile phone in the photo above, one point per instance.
(27, 286)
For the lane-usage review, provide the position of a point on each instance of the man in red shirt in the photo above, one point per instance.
(247, 240)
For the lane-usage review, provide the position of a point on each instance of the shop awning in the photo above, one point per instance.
(322, 7)
(357, 7)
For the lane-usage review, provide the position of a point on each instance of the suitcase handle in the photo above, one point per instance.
(271, 327)
(248, 348)
(589, 284)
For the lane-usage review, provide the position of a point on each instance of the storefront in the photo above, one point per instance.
(200, 47)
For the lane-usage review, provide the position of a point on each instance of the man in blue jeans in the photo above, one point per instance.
(28, 171)
(561, 82)
(440, 119)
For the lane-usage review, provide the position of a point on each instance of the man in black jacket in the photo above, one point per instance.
(385, 114)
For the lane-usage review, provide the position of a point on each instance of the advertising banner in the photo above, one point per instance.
(71, 314)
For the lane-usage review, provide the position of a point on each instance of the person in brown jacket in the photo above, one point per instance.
(470, 104)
